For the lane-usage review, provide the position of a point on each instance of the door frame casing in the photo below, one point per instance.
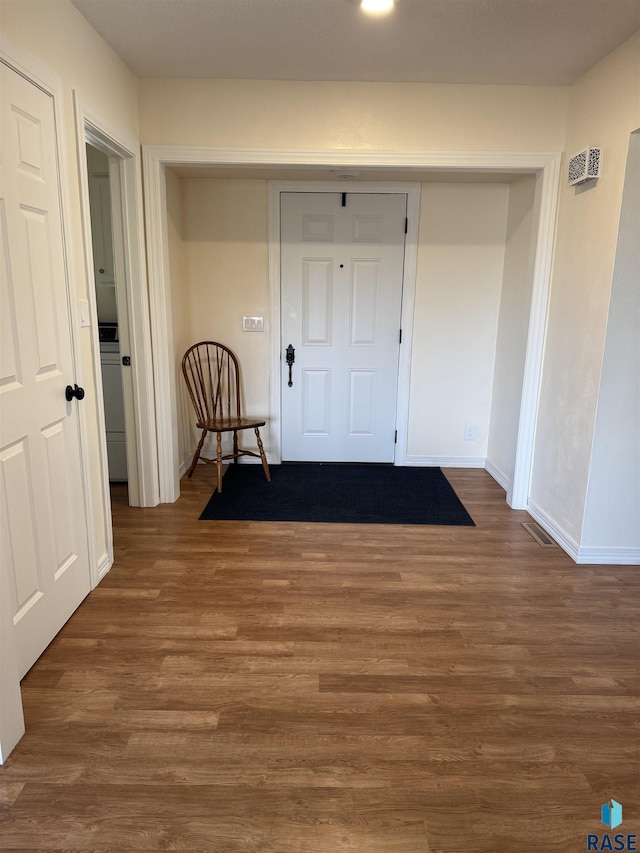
(158, 157)
(130, 266)
(410, 268)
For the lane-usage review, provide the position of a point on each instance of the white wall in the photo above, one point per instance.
(53, 35)
(612, 513)
(513, 326)
(604, 108)
(225, 275)
(460, 263)
(381, 116)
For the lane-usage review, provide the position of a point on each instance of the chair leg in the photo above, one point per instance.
(196, 455)
(263, 456)
(235, 447)
(219, 461)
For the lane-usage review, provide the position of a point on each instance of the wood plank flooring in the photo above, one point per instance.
(297, 688)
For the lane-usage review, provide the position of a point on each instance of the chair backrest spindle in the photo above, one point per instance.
(212, 376)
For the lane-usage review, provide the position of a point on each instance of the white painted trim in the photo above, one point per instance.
(97, 375)
(410, 265)
(104, 565)
(584, 555)
(123, 285)
(275, 326)
(609, 556)
(499, 476)
(30, 66)
(536, 337)
(155, 197)
(156, 157)
(11, 716)
(126, 183)
(445, 461)
(443, 161)
(409, 285)
(564, 540)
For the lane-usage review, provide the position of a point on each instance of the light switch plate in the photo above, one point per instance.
(85, 319)
(253, 324)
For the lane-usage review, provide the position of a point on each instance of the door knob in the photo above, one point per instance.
(76, 392)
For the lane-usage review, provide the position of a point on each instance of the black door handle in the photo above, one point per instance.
(76, 392)
(291, 357)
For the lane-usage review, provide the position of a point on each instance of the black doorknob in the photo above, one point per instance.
(76, 392)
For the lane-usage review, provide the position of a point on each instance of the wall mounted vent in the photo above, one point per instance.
(584, 166)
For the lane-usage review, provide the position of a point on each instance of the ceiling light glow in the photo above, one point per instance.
(376, 7)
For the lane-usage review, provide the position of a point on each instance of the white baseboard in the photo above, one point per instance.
(609, 556)
(445, 461)
(104, 565)
(584, 555)
(566, 542)
(499, 476)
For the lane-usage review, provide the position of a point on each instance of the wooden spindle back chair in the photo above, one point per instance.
(212, 374)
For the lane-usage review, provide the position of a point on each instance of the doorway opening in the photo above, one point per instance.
(117, 313)
(276, 167)
(104, 279)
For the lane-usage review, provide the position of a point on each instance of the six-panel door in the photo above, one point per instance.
(342, 268)
(43, 532)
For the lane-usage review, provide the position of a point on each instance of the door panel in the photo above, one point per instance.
(362, 402)
(365, 279)
(44, 535)
(317, 301)
(342, 270)
(316, 402)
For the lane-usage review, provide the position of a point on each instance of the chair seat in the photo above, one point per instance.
(229, 424)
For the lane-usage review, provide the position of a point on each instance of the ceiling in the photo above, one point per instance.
(509, 42)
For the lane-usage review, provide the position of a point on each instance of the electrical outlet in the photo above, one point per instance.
(470, 432)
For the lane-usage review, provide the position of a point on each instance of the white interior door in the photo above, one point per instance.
(101, 231)
(342, 268)
(43, 532)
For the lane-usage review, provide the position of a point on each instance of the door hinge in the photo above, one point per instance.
(406, 224)
(395, 438)
(400, 337)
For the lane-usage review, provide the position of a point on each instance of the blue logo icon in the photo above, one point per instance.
(612, 814)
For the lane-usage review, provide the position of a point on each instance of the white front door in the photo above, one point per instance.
(342, 267)
(43, 527)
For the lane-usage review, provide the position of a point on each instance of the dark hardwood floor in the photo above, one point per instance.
(294, 688)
